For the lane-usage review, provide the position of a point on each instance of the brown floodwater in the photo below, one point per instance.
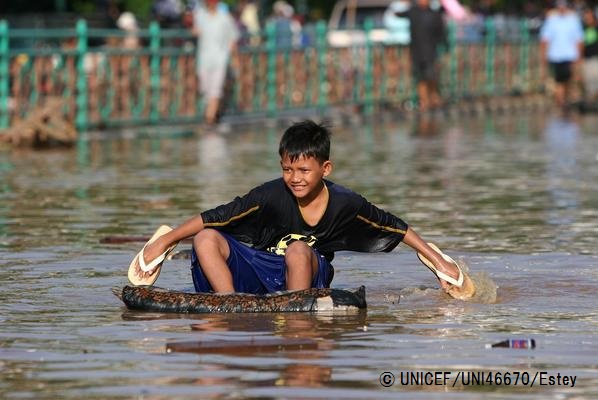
(513, 198)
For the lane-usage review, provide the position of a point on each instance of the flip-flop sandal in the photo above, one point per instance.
(457, 282)
(463, 287)
(149, 272)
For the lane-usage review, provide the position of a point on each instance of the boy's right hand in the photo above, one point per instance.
(154, 250)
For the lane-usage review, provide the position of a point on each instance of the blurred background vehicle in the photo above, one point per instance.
(345, 26)
(398, 27)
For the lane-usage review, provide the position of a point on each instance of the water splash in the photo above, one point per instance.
(486, 288)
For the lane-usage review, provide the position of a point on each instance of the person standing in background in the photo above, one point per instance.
(128, 23)
(249, 17)
(127, 82)
(590, 56)
(428, 34)
(282, 22)
(562, 45)
(168, 13)
(217, 43)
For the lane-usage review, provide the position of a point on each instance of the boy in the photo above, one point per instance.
(294, 224)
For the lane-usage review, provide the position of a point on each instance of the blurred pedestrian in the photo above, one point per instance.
(249, 17)
(282, 22)
(428, 34)
(590, 56)
(216, 45)
(168, 13)
(128, 23)
(562, 45)
(127, 71)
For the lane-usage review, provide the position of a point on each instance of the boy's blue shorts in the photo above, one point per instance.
(257, 271)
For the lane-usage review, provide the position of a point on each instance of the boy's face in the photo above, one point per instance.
(304, 176)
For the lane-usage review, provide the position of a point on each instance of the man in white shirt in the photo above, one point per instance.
(217, 40)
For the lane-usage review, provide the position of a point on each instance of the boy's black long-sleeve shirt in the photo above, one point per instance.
(268, 218)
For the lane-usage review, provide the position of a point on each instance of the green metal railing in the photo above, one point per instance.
(4, 74)
(103, 83)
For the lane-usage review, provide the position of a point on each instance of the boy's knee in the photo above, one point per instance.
(208, 241)
(301, 265)
(298, 249)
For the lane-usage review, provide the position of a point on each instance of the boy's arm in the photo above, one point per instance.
(413, 240)
(186, 229)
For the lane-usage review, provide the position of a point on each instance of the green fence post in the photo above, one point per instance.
(524, 39)
(288, 70)
(321, 51)
(257, 94)
(154, 32)
(4, 74)
(271, 69)
(82, 94)
(452, 51)
(490, 52)
(368, 77)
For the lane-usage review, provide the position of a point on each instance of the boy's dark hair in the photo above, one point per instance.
(306, 138)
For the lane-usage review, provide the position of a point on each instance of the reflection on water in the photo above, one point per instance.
(511, 198)
(562, 135)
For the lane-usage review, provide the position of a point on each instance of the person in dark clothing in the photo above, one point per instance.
(590, 55)
(428, 34)
(294, 225)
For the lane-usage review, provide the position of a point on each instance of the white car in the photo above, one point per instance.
(345, 26)
(397, 27)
